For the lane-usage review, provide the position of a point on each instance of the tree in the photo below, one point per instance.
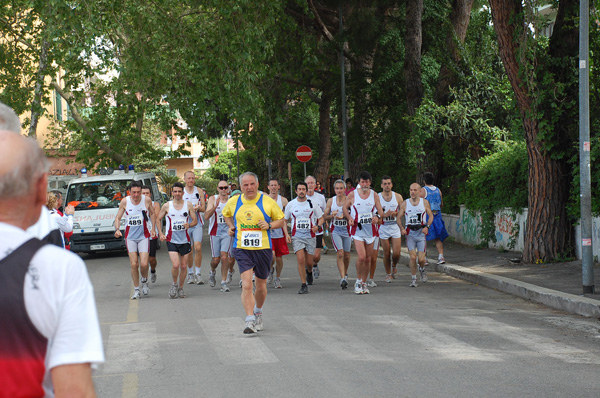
(544, 82)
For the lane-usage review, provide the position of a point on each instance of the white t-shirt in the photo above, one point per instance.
(59, 299)
(303, 217)
(44, 224)
(318, 200)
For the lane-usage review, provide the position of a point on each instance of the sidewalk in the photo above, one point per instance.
(558, 285)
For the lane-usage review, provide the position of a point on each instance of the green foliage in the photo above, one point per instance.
(227, 166)
(498, 181)
(167, 181)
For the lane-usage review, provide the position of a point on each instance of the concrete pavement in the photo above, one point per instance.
(557, 285)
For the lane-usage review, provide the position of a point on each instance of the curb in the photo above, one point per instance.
(552, 298)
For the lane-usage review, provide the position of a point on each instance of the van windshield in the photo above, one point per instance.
(97, 195)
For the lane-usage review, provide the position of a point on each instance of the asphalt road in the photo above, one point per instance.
(446, 338)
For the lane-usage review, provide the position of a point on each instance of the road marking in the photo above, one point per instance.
(132, 313)
(336, 339)
(232, 346)
(130, 385)
(445, 345)
(132, 346)
(533, 341)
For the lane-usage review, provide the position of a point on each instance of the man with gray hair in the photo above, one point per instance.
(45, 228)
(251, 217)
(45, 293)
(9, 121)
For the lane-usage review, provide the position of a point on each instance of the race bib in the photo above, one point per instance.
(389, 218)
(220, 219)
(302, 224)
(251, 239)
(178, 225)
(340, 222)
(414, 220)
(135, 220)
(365, 218)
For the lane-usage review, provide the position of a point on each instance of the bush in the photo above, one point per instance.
(499, 180)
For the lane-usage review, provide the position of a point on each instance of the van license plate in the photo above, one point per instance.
(96, 247)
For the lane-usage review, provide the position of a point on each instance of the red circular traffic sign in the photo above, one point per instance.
(303, 153)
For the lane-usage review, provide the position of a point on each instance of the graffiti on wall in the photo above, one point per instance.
(469, 226)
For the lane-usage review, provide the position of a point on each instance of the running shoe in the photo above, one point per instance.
(258, 323)
(277, 283)
(441, 260)
(199, 280)
(229, 277)
(250, 327)
(358, 288)
(303, 289)
(136, 294)
(344, 284)
(173, 291)
(212, 281)
(388, 278)
(372, 283)
(153, 277)
(316, 272)
(309, 278)
(180, 293)
(414, 283)
(270, 277)
(224, 287)
(394, 271)
(191, 278)
(145, 288)
(325, 249)
(365, 288)
(423, 274)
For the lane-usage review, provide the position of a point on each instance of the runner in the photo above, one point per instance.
(197, 197)
(359, 211)
(306, 219)
(340, 235)
(279, 237)
(138, 212)
(414, 209)
(438, 229)
(389, 232)
(251, 217)
(146, 191)
(180, 218)
(318, 200)
(220, 241)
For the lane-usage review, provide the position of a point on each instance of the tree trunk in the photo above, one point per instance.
(412, 63)
(548, 231)
(412, 60)
(322, 166)
(459, 18)
(36, 106)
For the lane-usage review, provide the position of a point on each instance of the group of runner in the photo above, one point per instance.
(253, 229)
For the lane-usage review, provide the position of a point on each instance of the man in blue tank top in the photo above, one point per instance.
(438, 229)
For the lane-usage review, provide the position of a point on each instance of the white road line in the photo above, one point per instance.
(434, 340)
(232, 346)
(132, 346)
(533, 341)
(335, 339)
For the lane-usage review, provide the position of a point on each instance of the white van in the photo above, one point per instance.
(96, 201)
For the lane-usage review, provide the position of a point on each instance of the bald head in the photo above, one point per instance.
(9, 120)
(415, 189)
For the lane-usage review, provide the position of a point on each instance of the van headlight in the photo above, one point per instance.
(76, 225)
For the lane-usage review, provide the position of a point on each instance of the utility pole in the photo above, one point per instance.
(587, 252)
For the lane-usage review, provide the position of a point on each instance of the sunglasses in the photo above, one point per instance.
(223, 187)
